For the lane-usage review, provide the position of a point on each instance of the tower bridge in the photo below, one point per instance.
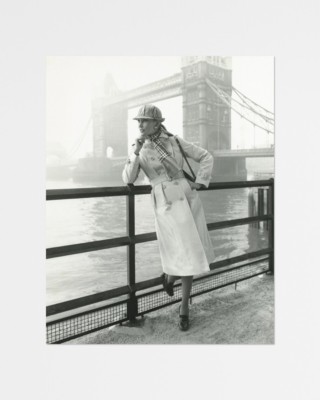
(156, 91)
(205, 84)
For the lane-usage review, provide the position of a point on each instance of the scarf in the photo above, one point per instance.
(167, 161)
(155, 139)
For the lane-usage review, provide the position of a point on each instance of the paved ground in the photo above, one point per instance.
(244, 315)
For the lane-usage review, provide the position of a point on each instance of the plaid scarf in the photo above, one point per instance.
(169, 163)
(159, 146)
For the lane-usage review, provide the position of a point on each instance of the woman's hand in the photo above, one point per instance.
(139, 144)
(195, 185)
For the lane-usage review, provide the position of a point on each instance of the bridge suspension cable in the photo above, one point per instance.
(251, 101)
(249, 110)
(245, 104)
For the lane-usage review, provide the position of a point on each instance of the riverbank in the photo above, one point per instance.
(241, 315)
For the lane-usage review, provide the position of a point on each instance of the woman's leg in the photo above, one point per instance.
(172, 278)
(186, 282)
(167, 283)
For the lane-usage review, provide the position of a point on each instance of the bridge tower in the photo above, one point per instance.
(206, 119)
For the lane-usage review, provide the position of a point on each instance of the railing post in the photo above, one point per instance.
(131, 255)
(271, 225)
(253, 209)
(260, 205)
(267, 224)
(251, 206)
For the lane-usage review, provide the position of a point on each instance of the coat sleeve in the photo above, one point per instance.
(131, 169)
(203, 157)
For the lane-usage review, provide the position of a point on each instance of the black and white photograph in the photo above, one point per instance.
(160, 200)
(159, 222)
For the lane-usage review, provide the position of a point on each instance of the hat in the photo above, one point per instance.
(149, 111)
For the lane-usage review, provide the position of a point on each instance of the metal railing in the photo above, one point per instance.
(77, 317)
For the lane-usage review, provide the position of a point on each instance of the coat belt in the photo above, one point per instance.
(164, 178)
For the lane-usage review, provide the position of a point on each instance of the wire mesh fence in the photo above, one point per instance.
(74, 326)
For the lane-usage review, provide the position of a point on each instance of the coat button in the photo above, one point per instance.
(176, 183)
(181, 198)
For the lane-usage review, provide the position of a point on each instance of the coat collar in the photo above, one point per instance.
(162, 135)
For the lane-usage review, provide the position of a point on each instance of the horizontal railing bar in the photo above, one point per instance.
(145, 237)
(215, 272)
(145, 189)
(157, 281)
(235, 222)
(86, 312)
(78, 248)
(242, 257)
(86, 300)
(239, 184)
(141, 189)
(218, 264)
(80, 193)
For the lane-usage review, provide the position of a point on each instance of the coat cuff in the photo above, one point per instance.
(132, 158)
(203, 179)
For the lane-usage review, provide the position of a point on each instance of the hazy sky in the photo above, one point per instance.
(73, 81)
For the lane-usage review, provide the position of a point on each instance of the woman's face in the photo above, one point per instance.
(148, 126)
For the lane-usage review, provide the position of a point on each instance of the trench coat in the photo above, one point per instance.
(184, 243)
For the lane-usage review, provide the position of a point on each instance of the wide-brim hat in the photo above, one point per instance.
(149, 111)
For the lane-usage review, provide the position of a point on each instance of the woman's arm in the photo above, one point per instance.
(203, 157)
(132, 167)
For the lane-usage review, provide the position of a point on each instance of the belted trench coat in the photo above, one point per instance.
(183, 238)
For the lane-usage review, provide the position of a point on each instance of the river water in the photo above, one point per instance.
(85, 220)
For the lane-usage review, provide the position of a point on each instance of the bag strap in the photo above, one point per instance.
(185, 157)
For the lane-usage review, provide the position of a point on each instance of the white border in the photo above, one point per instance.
(287, 30)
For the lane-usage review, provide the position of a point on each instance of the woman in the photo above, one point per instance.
(184, 242)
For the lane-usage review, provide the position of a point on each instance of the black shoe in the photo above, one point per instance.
(183, 321)
(167, 286)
